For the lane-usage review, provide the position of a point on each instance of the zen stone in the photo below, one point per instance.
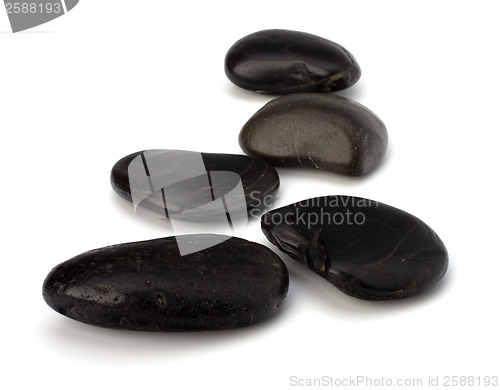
(365, 248)
(149, 286)
(191, 185)
(282, 62)
(320, 131)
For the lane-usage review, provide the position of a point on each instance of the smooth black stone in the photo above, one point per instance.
(283, 61)
(259, 181)
(148, 286)
(316, 130)
(367, 249)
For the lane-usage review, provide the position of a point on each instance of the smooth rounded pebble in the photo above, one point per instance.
(367, 249)
(190, 185)
(149, 286)
(320, 131)
(283, 61)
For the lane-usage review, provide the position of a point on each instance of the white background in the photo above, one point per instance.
(117, 76)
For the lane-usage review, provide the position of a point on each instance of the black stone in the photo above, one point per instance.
(149, 286)
(316, 130)
(259, 181)
(282, 61)
(367, 249)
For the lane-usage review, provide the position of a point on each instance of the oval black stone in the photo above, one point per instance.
(283, 61)
(191, 187)
(316, 130)
(149, 286)
(367, 249)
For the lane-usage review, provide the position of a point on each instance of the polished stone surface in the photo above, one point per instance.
(320, 131)
(283, 61)
(148, 286)
(365, 248)
(197, 180)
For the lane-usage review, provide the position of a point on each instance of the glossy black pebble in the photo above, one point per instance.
(148, 286)
(367, 249)
(259, 180)
(319, 131)
(283, 61)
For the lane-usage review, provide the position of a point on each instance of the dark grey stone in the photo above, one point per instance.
(316, 130)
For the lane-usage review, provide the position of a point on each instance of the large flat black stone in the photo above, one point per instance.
(149, 286)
